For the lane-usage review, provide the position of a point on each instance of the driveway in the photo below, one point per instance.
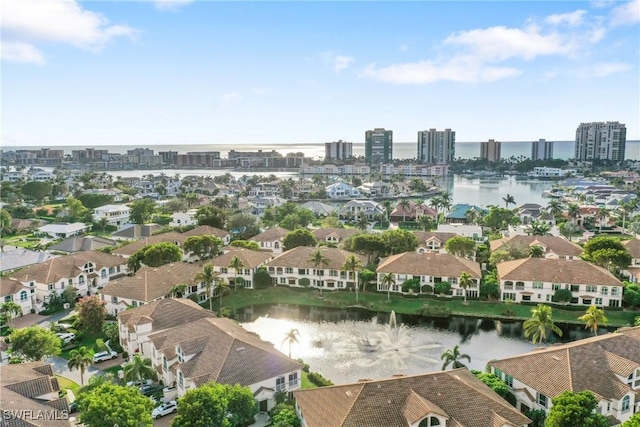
(60, 368)
(31, 319)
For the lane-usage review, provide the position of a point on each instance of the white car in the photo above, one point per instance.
(165, 409)
(104, 355)
(66, 337)
(139, 383)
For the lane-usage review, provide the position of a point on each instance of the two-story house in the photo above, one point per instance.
(333, 236)
(117, 215)
(250, 262)
(607, 365)
(552, 247)
(430, 268)
(412, 212)
(12, 290)
(184, 219)
(64, 230)
(271, 239)
(432, 241)
(353, 209)
(537, 280)
(341, 190)
(262, 203)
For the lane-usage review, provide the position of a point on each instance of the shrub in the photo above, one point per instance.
(442, 288)
(304, 282)
(317, 379)
(435, 311)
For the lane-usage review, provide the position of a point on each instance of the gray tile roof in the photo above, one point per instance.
(170, 237)
(20, 257)
(136, 231)
(82, 243)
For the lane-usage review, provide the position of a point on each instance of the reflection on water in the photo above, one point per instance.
(348, 345)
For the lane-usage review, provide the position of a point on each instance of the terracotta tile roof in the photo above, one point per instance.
(223, 351)
(150, 283)
(67, 266)
(429, 264)
(250, 258)
(633, 246)
(463, 399)
(425, 236)
(300, 258)
(205, 230)
(554, 244)
(165, 313)
(10, 286)
(588, 364)
(131, 248)
(556, 271)
(272, 234)
(341, 233)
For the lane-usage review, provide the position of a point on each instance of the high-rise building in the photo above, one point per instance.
(541, 149)
(436, 146)
(378, 146)
(339, 150)
(601, 141)
(490, 150)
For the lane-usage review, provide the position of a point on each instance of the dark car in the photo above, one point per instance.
(150, 389)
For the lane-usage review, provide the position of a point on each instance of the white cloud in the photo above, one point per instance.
(607, 69)
(61, 21)
(341, 63)
(571, 18)
(170, 5)
(21, 53)
(626, 14)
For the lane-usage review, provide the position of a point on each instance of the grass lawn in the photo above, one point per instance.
(376, 301)
(305, 381)
(87, 341)
(66, 383)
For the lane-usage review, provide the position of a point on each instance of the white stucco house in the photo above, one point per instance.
(341, 190)
(64, 230)
(117, 215)
(182, 219)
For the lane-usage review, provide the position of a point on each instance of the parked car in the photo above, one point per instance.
(165, 409)
(73, 407)
(150, 389)
(104, 355)
(66, 337)
(139, 383)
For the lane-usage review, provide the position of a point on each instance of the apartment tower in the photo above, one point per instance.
(601, 141)
(541, 150)
(338, 150)
(436, 146)
(378, 146)
(490, 150)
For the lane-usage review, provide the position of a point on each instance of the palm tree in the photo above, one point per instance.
(353, 265)
(436, 203)
(405, 205)
(318, 259)
(425, 222)
(570, 229)
(555, 208)
(601, 215)
(508, 200)
(191, 198)
(593, 318)
(11, 310)
(237, 264)
(465, 281)
(177, 290)
(81, 359)
(452, 357)
(103, 222)
(139, 369)
(221, 287)
(536, 251)
(573, 210)
(387, 208)
(389, 280)
(539, 323)
(207, 276)
(537, 228)
(362, 222)
(290, 337)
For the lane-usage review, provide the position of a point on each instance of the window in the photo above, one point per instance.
(8, 298)
(625, 403)
(51, 286)
(180, 355)
(508, 284)
(114, 300)
(542, 400)
(592, 288)
(81, 280)
(23, 295)
(555, 286)
(293, 379)
(288, 270)
(604, 291)
(302, 271)
(280, 386)
(509, 380)
(497, 372)
(70, 282)
(508, 296)
(88, 267)
(538, 285)
(598, 301)
(575, 288)
(103, 273)
(614, 291)
(429, 422)
(112, 270)
(180, 379)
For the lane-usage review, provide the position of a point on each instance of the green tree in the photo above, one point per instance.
(141, 211)
(500, 218)
(508, 200)
(247, 244)
(204, 247)
(495, 383)
(36, 190)
(159, 254)
(291, 337)
(215, 405)
(261, 278)
(362, 222)
(570, 229)
(299, 237)
(5, 223)
(454, 358)
(76, 211)
(10, 310)
(460, 246)
(538, 229)
(540, 323)
(575, 409)
(208, 277)
(111, 332)
(536, 251)
(212, 216)
(80, 359)
(388, 280)
(633, 421)
(91, 313)
(489, 285)
(107, 405)
(398, 241)
(607, 252)
(371, 246)
(134, 262)
(593, 318)
(237, 265)
(139, 369)
(243, 225)
(562, 296)
(284, 415)
(442, 288)
(92, 201)
(221, 287)
(353, 265)
(34, 343)
(465, 282)
(425, 223)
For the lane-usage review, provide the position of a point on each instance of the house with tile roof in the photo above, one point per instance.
(150, 284)
(29, 396)
(430, 268)
(205, 230)
(63, 230)
(454, 398)
(466, 230)
(633, 246)
(333, 236)
(189, 347)
(12, 290)
(292, 267)
(412, 212)
(82, 243)
(529, 212)
(86, 271)
(537, 280)
(251, 261)
(14, 259)
(553, 247)
(169, 237)
(432, 241)
(607, 365)
(271, 239)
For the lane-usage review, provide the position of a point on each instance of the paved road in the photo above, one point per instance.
(60, 368)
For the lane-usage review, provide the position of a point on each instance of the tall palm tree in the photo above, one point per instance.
(388, 280)
(453, 357)
(103, 222)
(573, 210)
(508, 200)
(237, 264)
(536, 251)
(387, 208)
(436, 203)
(139, 369)
(81, 359)
(601, 215)
(425, 222)
(593, 318)
(221, 287)
(11, 310)
(362, 223)
(555, 208)
(539, 323)
(353, 265)
(405, 205)
(207, 276)
(465, 282)
(537, 228)
(291, 337)
(319, 260)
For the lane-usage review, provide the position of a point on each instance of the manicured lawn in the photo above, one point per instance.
(305, 381)
(66, 383)
(403, 305)
(87, 341)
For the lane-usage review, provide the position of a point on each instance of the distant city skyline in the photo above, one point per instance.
(162, 72)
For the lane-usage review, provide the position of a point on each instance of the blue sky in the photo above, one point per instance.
(189, 72)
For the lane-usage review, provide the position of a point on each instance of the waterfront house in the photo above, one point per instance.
(376, 189)
(529, 212)
(430, 269)
(353, 209)
(260, 204)
(607, 365)
(454, 398)
(296, 268)
(251, 261)
(552, 247)
(341, 190)
(271, 239)
(333, 236)
(11, 290)
(537, 280)
(432, 241)
(184, 219)
(150, 284)
(264, 189)
(117, 215)
(189, 347)
(64, 230)
(413, 212)
(85, 271)
(459, 213)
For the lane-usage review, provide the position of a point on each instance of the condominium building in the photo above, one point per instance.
(378, 146)
(541, 149)
(490, 150)
(436, 146)
(601, 141)
(338, 150)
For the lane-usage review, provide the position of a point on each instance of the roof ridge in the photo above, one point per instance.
(570, 370)
(355, 399)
